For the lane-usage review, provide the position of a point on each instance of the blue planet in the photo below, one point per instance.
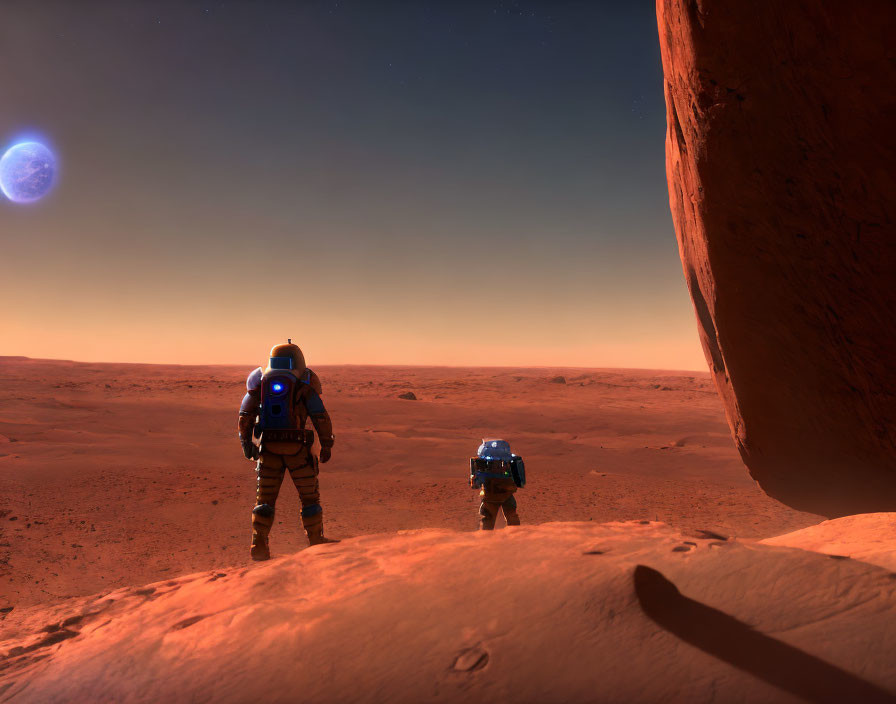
(27, 171)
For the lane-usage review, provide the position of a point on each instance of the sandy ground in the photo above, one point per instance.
(868, 537)
(561, 612)
(114, 475)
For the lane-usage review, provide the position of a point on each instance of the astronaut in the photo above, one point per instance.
(497, 473)
(278, 403)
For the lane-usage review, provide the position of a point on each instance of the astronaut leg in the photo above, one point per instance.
(304, 476)
(510, 514)
(269, 471)
(488, 509)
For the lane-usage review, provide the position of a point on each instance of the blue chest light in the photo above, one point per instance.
(276, 388)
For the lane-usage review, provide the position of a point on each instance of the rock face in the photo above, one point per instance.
(781, 163)
(561, 612)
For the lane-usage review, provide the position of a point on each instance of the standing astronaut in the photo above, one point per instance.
(278, 403)
(497, 473)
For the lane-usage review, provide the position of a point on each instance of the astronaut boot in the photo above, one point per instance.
(262, 520)
(260, 549)
(313, 520)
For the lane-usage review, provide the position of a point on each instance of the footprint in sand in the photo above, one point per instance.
(471, 659)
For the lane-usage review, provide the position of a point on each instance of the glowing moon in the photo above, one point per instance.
(27, 171)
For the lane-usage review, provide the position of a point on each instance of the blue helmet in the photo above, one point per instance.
(494, 450)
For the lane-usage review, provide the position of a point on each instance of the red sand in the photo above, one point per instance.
(113, 475)
(869, 537)
(563, 612)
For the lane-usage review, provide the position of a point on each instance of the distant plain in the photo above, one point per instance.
(123, 474)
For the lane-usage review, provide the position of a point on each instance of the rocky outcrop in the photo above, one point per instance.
(562, 612)
(781, 163)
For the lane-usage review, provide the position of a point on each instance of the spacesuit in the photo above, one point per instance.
(497, 473)
(275, 409)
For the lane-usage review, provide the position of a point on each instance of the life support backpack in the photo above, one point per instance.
(494, 460)
(278, 400)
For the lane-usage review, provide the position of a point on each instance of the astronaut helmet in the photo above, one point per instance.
(287, 356)
(494, 449)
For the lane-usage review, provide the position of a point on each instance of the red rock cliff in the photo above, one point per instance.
(781, 163)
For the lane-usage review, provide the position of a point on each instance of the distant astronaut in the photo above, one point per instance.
(497, 473)
(279, 401)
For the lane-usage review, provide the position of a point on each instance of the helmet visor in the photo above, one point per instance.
(281, 363)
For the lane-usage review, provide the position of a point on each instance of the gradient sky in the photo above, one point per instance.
(408, 183)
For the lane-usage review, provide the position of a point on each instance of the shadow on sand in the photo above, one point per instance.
(736, 643)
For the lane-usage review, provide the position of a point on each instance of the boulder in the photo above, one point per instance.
(780, 155)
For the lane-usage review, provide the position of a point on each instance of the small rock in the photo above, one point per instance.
(558, 380)
(409, 396)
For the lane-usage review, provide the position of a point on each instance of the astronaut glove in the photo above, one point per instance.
(325, 454)
(250, 450)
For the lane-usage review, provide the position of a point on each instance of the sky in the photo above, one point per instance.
(461, 183)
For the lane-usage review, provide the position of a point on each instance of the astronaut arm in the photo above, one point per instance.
(314, 381)
(319, 418)
(248, 417)
(249, 406)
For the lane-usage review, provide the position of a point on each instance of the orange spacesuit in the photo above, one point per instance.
(497, 495)
(275, 409)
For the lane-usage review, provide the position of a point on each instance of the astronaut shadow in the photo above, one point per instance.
(736, 643)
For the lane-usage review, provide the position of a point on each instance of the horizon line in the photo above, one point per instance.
(365, 364)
